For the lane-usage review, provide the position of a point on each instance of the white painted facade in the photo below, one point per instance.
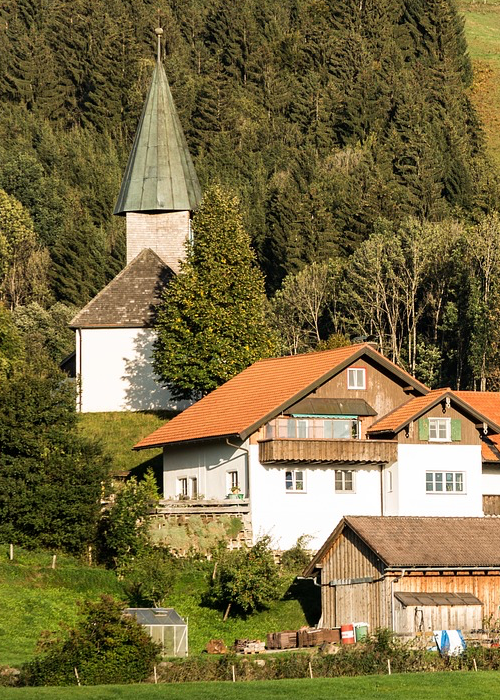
(115, 371)
(491, 480)
(314, 511)
(409, 495)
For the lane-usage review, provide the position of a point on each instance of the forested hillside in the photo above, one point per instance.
(346, 127)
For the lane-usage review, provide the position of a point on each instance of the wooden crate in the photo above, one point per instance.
(282, 640)
(316, 637)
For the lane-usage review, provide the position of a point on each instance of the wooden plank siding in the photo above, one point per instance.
(491, 505)
(350, 558)
(311, 450)
(469, 433)
(409, 621)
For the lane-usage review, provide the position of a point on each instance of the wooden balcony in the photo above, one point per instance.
(295, 451)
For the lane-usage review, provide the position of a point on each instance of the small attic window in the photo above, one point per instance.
(356, 378)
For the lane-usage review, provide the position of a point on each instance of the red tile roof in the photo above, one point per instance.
(402, 415)
(486, 402)
(412, 409)
(244, 403)
(408, 542)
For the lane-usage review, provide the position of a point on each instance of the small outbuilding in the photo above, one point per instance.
(165, 626)
(410, 574)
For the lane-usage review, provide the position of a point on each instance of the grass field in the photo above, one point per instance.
(434, 686)
(482, 29)
(34, 597)
(119, 432)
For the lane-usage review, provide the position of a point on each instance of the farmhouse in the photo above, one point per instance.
(307, 439)
(114, 332)
(410, 574)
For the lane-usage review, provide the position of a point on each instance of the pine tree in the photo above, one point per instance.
(212, 323)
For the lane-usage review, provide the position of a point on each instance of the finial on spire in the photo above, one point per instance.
(159, 34)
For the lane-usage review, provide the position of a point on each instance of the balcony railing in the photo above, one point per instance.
(295, 450)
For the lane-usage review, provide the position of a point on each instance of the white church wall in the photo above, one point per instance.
(115, 371)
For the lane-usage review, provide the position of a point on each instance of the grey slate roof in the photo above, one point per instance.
(406, 542)
(160, 174)
(129, 300)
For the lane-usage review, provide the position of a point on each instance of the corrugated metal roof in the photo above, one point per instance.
(436, 598)
(160, 174)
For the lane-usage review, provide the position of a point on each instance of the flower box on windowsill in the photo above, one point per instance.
(235, 496)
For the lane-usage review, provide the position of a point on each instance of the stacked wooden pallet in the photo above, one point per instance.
(282, 640)
(248, 646)
(316, 637)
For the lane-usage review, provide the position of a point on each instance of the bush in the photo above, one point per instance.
(149, 578)
(104, 647)
(246, 578)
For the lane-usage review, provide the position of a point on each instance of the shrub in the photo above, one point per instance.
(246, 578)
(104, 647)
(149, 578)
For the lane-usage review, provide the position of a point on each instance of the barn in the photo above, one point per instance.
(410, 574)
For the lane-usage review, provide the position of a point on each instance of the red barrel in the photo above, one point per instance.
(347, 634)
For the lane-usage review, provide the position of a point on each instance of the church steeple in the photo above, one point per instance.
(160, 174)
(160, 178)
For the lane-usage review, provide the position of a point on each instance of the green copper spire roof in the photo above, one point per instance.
(160, 174)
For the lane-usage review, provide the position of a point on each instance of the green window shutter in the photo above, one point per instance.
(423, 429)
(456, 429)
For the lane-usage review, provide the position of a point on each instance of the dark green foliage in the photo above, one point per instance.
(212, 323)
(245, 579)
(149, 578)
(50, 477)
(297, 557)
(124, 527)
(104, 647)
(46, 329)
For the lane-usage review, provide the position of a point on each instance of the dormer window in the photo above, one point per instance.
(439, 430)
(356, 378)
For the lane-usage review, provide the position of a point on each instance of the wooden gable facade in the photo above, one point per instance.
(359, 584)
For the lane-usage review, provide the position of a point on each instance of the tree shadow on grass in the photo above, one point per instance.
(309, 597)
(156, 464)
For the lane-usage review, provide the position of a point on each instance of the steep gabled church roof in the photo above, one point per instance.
(160, 174)
(130, 299)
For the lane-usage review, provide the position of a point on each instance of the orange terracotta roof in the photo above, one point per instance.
(244, 403)
(486, 402)
(402, 415)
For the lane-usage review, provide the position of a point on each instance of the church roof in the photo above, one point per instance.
(160, 174)
(130, 299)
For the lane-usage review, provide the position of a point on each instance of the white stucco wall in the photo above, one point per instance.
(115, 371)
(491, 481)
(285, 516)
(413, 463)
(210, 463)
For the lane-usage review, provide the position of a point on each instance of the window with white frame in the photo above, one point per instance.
(344, 481)
(439, 429)
(232, 481)
(356, 378)
(295, 481)
(389, 481)
(444, 482)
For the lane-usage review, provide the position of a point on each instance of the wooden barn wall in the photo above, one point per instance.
(412, 620)
(350, 558)
(486, 587)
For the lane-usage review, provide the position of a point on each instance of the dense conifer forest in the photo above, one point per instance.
(346, 127)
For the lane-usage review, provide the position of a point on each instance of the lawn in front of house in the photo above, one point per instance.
(426, 686)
